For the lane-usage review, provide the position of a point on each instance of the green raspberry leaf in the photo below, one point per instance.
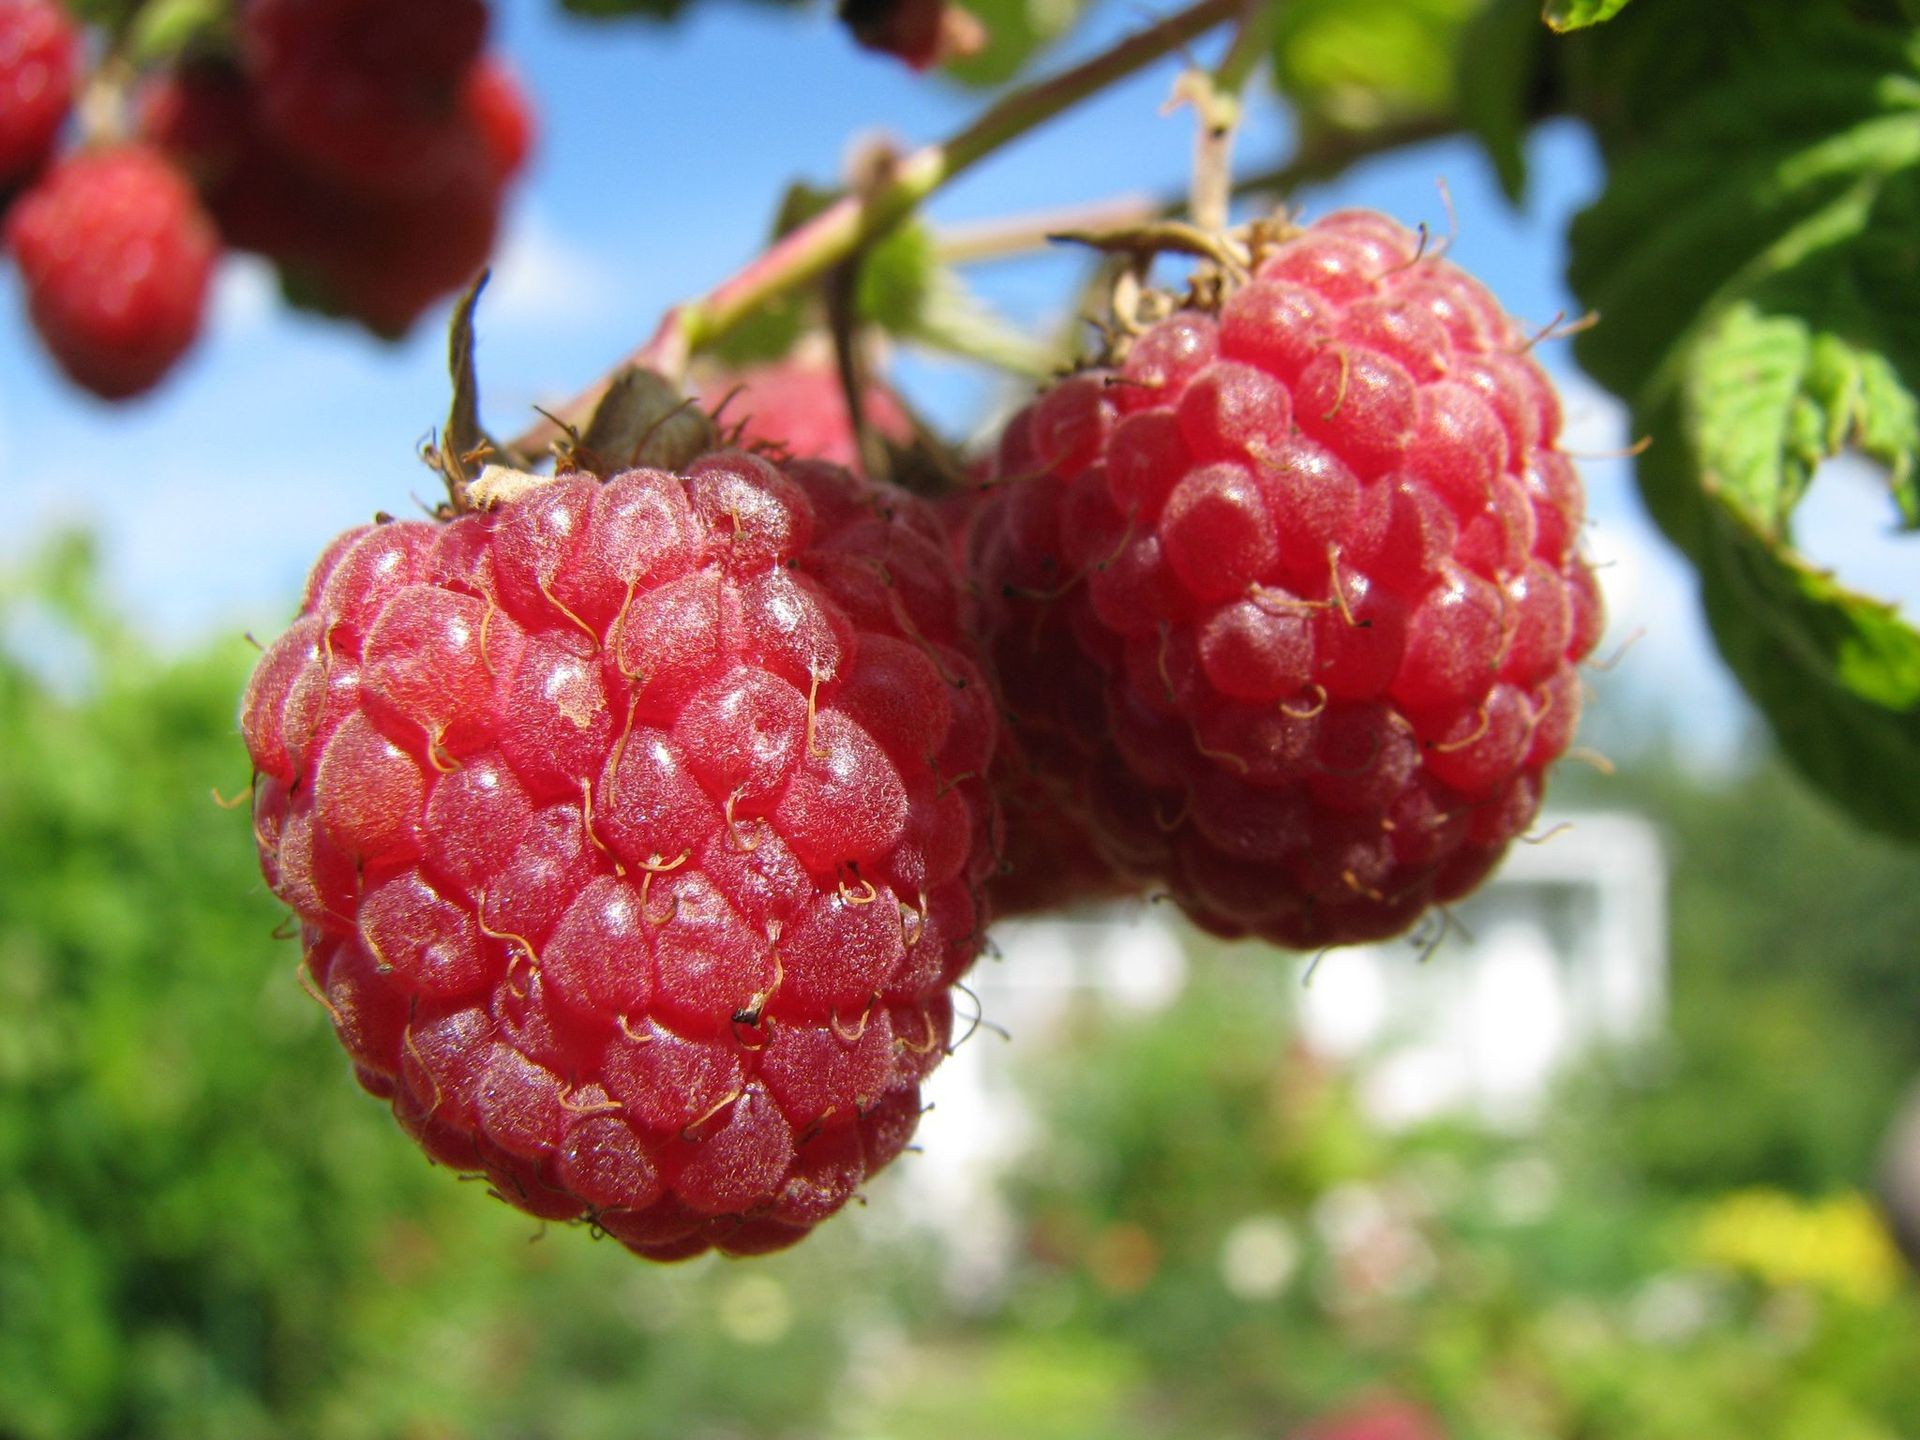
(906, 290)
(769, 333)
(1836, 673)
(167, 29)
(1358, 64)
(1564, 15)
(1495, 72)
(1756, 265)
(1773, 389)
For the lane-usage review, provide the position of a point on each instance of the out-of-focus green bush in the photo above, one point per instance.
(1682, 1250)
(1223, 1208)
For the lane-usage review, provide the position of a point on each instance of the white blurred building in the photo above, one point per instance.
(1565, 949)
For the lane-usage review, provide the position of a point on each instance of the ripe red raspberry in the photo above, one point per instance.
(494, 108)
(367, 93)
(117, 258)
(204, 117)
(379, 259)
(797, 406)
(636, 830)
(1048, 860)
(391, 260)
(1288, 595)
(39, 53)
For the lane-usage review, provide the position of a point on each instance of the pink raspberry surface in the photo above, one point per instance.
(39, 53)
(117, 257)
(1288, 602)
(797, 405)
(636, 832)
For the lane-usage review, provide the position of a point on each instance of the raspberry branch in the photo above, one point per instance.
(978, 242)
(1216, 102)
(1319, 157)
(843, 229)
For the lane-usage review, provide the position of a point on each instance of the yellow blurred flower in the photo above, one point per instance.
(1837, 1245)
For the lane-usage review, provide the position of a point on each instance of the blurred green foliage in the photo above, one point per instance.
(1795, 992)
(1283, 1255)
(207, 1231)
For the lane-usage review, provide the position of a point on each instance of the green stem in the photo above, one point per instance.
(1216, 100)
(980, 242)
(844, 228)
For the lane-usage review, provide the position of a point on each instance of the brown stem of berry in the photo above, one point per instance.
(840, 231)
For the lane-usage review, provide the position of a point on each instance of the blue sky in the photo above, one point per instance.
(663, 155)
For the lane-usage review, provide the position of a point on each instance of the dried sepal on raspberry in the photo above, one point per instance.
(1286, 587)
(636, 830)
